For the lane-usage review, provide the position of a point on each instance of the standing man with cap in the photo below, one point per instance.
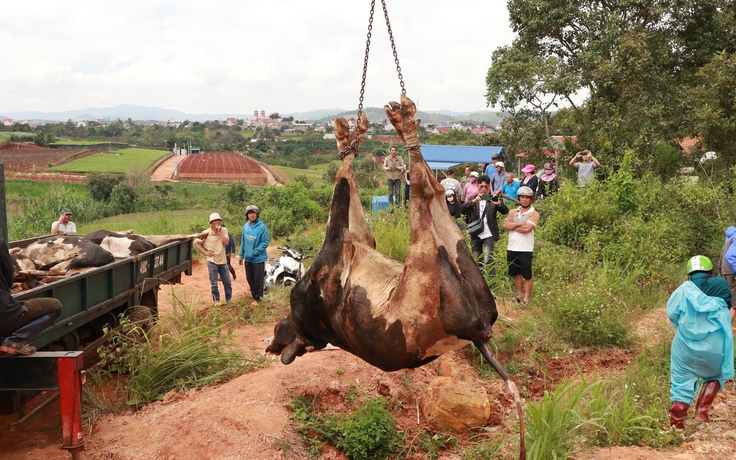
(498, 178)
(64, 226)
(450, 183)
(212, 244)
(586, 168)
(253, 245)
(394, 166)
(702, 348)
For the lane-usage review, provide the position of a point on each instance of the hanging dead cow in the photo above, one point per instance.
(391, 315)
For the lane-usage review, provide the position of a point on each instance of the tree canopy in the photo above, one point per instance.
(650, 71)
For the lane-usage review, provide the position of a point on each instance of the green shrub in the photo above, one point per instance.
(368, 433)
(587, 315)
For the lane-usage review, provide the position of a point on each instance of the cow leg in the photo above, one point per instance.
(348, 143)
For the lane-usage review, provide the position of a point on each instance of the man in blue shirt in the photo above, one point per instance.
(498, 179)
(510, 187)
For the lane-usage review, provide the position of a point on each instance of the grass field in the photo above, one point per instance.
(314, 174)
(75, 142)
(118, 161)
(153, 223)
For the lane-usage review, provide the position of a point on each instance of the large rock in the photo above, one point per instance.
(455, 405)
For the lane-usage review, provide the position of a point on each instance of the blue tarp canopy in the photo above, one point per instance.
(445, 156)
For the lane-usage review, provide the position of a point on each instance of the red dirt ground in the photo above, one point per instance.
(246, 418)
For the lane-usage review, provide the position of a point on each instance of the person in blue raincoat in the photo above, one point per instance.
(702, 349)
(253, 245)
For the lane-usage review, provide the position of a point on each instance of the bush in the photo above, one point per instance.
(587, 315)
(368, 433)
(100, 185)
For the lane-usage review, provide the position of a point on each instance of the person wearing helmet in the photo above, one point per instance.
(702, 348)
(450, 182)
(213, 243)
(483, 205)
(453, 205)
(253, 255)
(521, 223)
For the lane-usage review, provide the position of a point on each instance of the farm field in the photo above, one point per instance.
(118, 161)
(226, 166)
(31, 158)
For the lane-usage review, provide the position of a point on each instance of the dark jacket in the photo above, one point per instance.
(9, 307)
(472, 210)
(454, 208)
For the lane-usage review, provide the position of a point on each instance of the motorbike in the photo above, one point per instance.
(287, 270)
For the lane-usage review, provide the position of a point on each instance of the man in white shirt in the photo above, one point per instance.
(521, 223)
(64, 226)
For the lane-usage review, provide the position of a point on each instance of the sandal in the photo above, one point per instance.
(523, 303)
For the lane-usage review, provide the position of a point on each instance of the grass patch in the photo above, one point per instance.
(313, 175)
(367, 433)
(185, 349)
(118, 161)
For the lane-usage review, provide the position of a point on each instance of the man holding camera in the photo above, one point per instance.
(586, 168)
(485, 205)
(521, 223)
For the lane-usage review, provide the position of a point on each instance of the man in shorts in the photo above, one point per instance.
(521, 223)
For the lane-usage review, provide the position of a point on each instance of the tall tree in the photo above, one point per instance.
(635, 59)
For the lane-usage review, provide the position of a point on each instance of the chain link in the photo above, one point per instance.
(367, 51)
(353, 145)
(393, 47)
(365, 60)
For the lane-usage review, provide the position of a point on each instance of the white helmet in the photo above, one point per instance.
(252, 208)
(524, 191)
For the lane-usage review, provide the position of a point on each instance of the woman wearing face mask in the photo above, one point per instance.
(471, 188)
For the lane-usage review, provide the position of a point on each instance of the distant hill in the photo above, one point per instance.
(150, 114)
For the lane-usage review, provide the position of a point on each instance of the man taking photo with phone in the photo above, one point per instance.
(486, 205)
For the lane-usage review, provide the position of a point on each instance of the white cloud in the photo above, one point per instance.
(235, 56)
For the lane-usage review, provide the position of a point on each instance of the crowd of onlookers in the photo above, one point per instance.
(478, 197)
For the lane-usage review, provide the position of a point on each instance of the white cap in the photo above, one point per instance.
(215, 216)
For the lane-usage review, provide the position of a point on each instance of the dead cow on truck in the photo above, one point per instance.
(391, 315)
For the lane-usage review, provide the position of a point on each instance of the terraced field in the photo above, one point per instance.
(225, 166)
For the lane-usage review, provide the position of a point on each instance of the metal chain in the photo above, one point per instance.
(365, 60)
(353, 145)
(393, 47)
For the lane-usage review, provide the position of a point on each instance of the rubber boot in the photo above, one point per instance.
(678, 413)
(705, 400)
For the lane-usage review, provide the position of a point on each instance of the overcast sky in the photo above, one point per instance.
(236, 56)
